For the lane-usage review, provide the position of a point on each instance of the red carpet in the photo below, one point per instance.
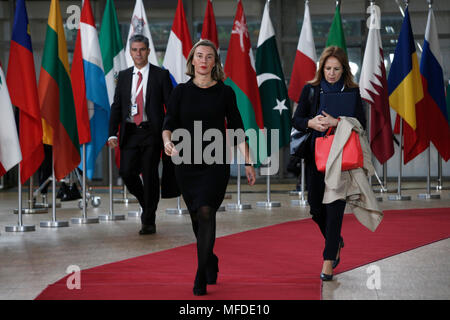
(280, 262)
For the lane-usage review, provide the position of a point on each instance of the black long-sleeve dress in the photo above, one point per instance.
(203, 184)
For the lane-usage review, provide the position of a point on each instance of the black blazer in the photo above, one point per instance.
(159, 87)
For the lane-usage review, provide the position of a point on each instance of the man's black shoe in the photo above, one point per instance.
(147, 229)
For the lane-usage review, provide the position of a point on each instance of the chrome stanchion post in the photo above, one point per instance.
(125, 198)
(439, 182)
(32, 208)
(428, 195)
(53, 223)
(268, 204)
(178, 209)
(84, 219)
(20, 227)
(238, 206)
(399, 196)
(302, 202)
(111, 216)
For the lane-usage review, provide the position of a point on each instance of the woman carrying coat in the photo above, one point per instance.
(333, 76)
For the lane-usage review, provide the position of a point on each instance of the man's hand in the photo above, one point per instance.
(113, 142)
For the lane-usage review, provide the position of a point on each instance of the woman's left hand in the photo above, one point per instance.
(328, 120)
(251, 176)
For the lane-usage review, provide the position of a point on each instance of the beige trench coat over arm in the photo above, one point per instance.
(353, 185)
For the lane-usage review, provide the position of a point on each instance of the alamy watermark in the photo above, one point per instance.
(74, 280)
(374, 280)
(190, 147)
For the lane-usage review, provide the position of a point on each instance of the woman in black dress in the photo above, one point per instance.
(333, 76)
(203, 103)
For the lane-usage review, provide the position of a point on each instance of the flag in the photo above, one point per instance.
(56, 97)
(89, 87)
(10, 154)
(113, 54)
(21, 79)
(305, 59)
(241, 77)
(448, 101)
(178, 47)
(336, 34)
(432, 117)
(374, 90)
(405, 84)
(139, 25)
(275, 103)
(209, 29)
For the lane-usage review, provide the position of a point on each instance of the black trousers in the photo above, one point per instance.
(327, 216)
(140, 153)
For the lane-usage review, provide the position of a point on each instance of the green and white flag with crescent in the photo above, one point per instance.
(272, 86)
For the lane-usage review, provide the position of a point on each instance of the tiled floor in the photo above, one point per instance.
(30, 261)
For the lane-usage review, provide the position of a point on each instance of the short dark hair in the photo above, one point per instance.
(139, 38)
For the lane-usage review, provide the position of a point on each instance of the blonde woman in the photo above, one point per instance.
(207, 100)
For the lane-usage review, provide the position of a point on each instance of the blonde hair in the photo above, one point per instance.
(341, 56)
(217, 72)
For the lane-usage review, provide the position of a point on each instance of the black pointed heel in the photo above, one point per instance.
(212, 270)
(199, 286)
(336, 262)
(326, 277)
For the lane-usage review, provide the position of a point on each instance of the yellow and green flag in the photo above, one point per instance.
(56, 97)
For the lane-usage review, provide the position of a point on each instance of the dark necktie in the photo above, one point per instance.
(139, 101)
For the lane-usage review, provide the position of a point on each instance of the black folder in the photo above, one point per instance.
(339, 104)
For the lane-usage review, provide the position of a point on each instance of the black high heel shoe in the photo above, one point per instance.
(212, 270)
(336, 262)
(326, 277)
(199, 286)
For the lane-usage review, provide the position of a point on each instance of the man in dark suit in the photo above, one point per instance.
(138, 107)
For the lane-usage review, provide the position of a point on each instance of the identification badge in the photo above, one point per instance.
(134, 110)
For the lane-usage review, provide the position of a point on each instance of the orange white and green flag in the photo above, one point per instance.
(56, 97)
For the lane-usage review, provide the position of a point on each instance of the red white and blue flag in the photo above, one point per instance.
(434, 119)
(178, 47)
(21, 79)
(89, 87)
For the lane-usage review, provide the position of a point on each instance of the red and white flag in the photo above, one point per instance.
(374, 89)
(209, 29)
(178, 47)
(305, 59)
(10, 153)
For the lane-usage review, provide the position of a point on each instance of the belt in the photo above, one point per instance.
(143, 125)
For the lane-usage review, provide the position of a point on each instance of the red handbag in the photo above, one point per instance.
(352, 155)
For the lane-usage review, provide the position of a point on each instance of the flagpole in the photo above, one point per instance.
(302, 201)
(428, 194)
(32, 207)
(84, 219)
(125, 198)
(111, 216)
(238, 206)
(399, 196)
(53, 223)
(268, 204)
(20, 227)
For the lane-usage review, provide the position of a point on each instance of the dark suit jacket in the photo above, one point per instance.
(308, 105)
(159, 88)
